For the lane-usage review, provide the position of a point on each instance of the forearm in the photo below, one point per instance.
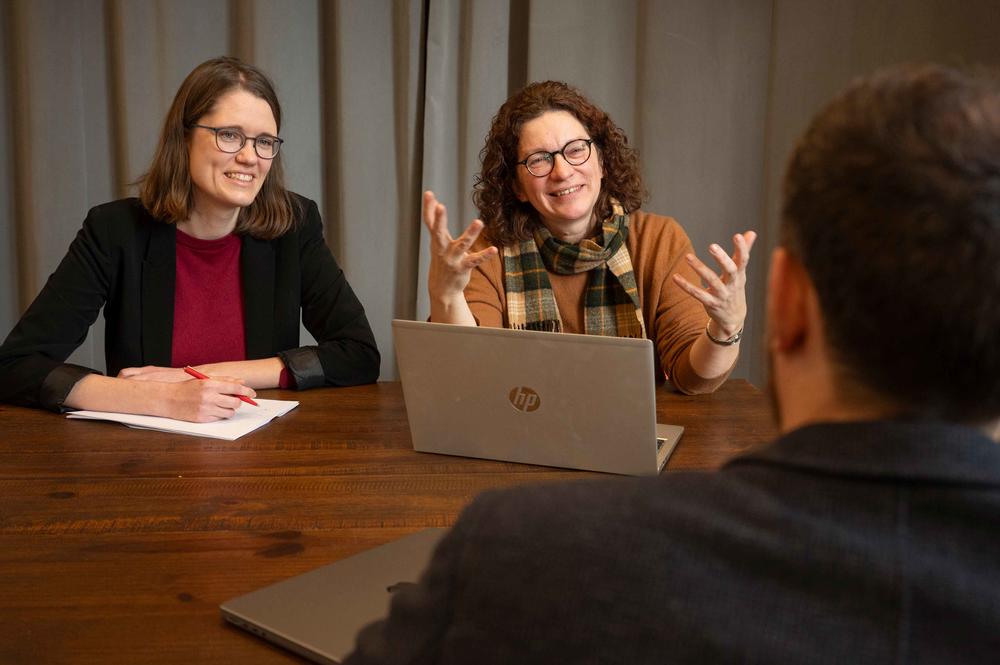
(710, 360)
(257, 374)
(185, 399)
(103, 393)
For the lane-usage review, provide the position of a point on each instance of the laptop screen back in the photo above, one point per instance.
(555, 399)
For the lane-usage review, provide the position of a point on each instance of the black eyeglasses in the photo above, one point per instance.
(231, 139)
(539, 164)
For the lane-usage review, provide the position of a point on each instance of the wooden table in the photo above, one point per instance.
(118, 545)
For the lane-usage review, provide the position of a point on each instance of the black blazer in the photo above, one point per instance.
(125, 261)
(851, 543)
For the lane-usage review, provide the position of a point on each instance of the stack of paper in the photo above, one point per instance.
(247, 419)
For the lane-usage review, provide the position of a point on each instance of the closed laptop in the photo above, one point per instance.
(318, 614)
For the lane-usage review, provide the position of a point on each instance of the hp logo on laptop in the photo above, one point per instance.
(524, 399)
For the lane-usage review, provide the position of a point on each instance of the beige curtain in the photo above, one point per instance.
(385, 98)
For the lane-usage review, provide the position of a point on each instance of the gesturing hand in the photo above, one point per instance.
(724, 296)
(451, 262)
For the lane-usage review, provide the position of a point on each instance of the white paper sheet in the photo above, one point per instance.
(247, 419)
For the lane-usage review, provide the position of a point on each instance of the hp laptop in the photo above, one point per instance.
(554, 399)
(318, 614)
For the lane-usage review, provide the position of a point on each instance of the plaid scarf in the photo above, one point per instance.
(611, 301)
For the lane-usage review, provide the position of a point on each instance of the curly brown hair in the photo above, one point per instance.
(508, 220)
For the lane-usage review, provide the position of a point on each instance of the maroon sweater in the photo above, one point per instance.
(208, 303)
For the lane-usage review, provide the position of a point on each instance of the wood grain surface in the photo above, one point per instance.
(117, 545)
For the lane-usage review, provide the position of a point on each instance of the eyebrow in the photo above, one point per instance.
(243, 129)
(534, 150)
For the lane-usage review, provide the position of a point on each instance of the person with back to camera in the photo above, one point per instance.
(209, 267)
(866, 533)
(566, 248)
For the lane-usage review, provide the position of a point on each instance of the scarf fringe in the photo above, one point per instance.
(540, 326)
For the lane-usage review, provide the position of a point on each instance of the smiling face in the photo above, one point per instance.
(225, 182)
(565, 198)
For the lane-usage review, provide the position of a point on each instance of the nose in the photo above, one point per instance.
(247, 153)
(561, 168)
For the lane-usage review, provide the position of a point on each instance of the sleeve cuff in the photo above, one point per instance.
(58, 384)
(304, 366)
(285, 380)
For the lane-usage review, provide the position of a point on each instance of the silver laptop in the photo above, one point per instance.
(555, 399)
(318, 614)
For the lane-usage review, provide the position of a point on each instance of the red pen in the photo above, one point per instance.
(198, 375)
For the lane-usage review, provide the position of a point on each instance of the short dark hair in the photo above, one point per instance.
(508, 220)
(166, 188)
(892, 205)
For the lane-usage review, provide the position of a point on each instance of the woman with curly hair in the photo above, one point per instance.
(565, 248)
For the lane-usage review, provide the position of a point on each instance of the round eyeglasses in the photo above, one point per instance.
(539, 164)
(231, 139)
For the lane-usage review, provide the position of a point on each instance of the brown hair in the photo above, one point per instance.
(507, 220)
(892, 204)
(166, 188)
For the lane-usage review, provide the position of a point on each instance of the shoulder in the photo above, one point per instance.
(307, 218)
(307, 224)
(624, 536)
(674, 541)
(598, 525)
(650, 227)
(582, 515)
(120, 222)
(123, 212)
(586, 515)
(656, 238)
(303, 205)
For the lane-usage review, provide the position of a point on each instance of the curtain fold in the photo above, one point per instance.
(466, 84)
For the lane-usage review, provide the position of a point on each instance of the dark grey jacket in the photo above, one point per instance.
(840, 543)
(125, 261)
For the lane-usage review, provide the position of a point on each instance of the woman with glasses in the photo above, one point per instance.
(210, 267)
(565, 248)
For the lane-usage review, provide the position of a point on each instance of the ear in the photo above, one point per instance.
(518, 192)
(788, 291)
